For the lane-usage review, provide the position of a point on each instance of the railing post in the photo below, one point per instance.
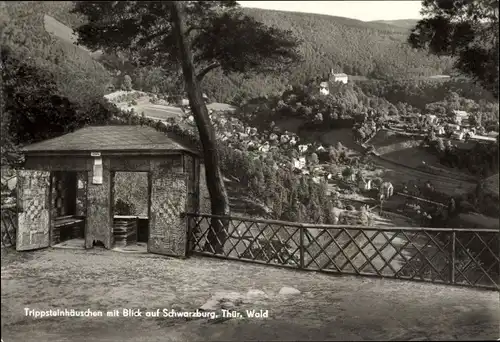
(189, 242)
(301, 266)
(452, 252)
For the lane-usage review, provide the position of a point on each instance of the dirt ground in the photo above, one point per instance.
(328, 307)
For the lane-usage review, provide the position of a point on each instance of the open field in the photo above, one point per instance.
(61, 31)
(290, 124)
(405, 150)
(399, 174)
(328, 307)
(386, 138)
(65, 34)
(158, 111)
(344, 136)
(416, 157)
(477, 220)
(492, 183)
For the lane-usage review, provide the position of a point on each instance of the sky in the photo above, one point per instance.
(361, 10)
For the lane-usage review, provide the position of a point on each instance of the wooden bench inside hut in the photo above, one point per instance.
(68, 195)
(130, 232)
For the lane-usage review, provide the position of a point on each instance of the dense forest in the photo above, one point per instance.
(76, 73)
(49, 86)
(373, 50)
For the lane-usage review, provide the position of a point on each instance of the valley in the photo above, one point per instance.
(401, 166)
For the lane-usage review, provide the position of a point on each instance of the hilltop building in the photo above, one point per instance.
(341, 77)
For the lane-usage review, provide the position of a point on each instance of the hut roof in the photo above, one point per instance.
(120, 138)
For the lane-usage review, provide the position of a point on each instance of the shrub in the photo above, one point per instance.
(124, 208)
(127, 83)
(313, 159)
(347, 172)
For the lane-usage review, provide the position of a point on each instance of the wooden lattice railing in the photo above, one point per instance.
(468, 257)
(8, 225)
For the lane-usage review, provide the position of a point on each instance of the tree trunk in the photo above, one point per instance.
(215, 182)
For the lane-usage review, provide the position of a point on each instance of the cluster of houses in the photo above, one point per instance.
(240, 136)
(459, 127)
(462, 129)
(233, 132)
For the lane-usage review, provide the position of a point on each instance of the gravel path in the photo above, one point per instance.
(328, 307)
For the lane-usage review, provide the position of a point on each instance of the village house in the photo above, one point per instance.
(453, 127)
(284, 139)
(386, 190)
(320, 148)
(324, 88)
(365, 184)
(303, 148)
(432, 119)
(299, 163)
(316, 180)
(484, 138)
(460, 117)
(273, 137)
(265, 147)
(459, 135)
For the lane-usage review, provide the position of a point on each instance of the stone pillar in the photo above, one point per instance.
(99, 210)
(169, 197)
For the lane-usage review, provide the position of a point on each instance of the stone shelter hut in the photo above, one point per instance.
(65, 189)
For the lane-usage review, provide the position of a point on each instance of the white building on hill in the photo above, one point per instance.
(341, 77)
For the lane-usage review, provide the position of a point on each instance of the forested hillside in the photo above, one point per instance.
(374, 50)
(352, 46)
(76, 72)
(49, 85)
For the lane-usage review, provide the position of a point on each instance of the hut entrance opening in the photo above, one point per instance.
(130, 193)
(68, 190)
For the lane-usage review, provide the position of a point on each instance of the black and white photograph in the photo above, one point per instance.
(249, 171)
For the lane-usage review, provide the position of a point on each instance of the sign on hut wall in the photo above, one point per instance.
(97, 174)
